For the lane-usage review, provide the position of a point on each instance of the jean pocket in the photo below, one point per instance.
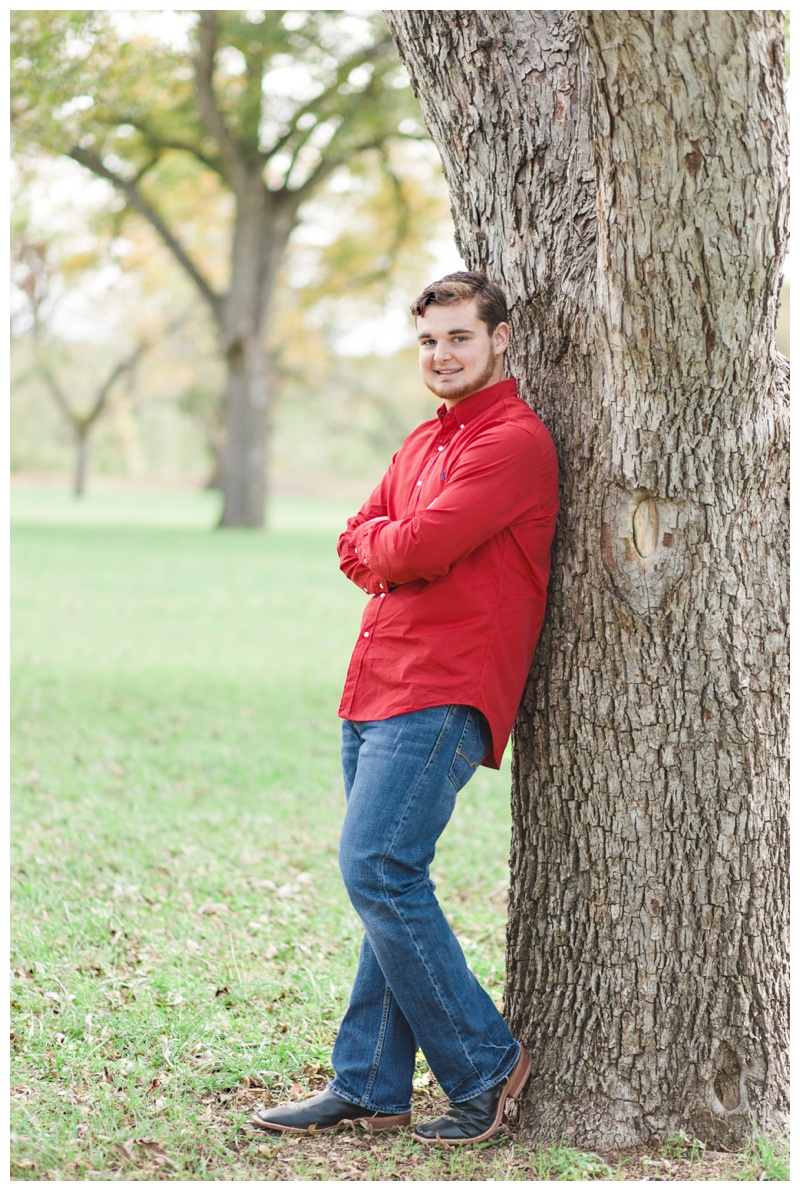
(472, 748)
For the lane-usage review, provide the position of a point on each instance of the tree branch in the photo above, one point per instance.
(125, 365)
(314, 105)
(401, 226)
(300, 144)
(92, 162)
(326, 168)
(57, 392)
(164, 143)
(232, 167)
(81, 423)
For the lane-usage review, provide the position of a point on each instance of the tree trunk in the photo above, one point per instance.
(244, 470)
(81, 460)
(623, 175)
(262, 229)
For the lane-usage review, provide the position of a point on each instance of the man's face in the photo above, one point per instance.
(457, 355)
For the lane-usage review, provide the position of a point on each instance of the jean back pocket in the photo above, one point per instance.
(472, 748)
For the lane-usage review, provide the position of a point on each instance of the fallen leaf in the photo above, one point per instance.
(312, 1069)
(153, 1150)
(211, 908)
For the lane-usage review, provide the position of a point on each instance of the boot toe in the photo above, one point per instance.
(323, 1113)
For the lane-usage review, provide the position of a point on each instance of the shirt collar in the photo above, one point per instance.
(477, 403)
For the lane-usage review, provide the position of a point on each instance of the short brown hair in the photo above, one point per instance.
(462, 287)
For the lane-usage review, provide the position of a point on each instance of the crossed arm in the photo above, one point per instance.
(492, 484)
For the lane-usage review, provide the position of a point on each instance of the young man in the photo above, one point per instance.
(453, 547)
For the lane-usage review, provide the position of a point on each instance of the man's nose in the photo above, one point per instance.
(442, 352)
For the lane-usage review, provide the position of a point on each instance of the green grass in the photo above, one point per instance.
(179, 924)
(182, 947)
(766, 1159)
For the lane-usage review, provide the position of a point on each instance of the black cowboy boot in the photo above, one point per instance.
(478, 1119)
(323, 1114)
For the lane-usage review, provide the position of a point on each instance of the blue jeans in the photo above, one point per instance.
(413, 987)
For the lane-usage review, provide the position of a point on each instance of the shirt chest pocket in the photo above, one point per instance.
(433, 484)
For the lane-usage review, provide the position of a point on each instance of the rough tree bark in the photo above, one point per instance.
(624, 175)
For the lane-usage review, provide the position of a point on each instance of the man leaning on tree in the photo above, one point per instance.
(453, 549)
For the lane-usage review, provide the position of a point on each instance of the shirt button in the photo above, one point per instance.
(419, 483)
(366, 634)
(462, 426)
(366, 589)
(383, 593)
(440, 448)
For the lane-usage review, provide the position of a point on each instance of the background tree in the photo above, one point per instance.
(346, 389)
(89, 305)
(266, 107)
(83, 421)
(624, 175)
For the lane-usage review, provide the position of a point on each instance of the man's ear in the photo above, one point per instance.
(500, 338)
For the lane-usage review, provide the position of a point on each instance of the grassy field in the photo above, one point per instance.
(182, 948)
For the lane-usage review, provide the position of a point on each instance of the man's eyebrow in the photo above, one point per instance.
(454, 331)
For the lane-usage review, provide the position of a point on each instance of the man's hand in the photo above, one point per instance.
(365, 525)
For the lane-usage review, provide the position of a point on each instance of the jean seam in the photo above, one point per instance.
(379, 1045)
(433, 984)
(390, 901)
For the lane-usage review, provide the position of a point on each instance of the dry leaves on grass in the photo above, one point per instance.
(142, 1152)
(355, 1156)
(639, 1165)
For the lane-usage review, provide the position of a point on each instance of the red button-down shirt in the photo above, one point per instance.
(457, 567)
